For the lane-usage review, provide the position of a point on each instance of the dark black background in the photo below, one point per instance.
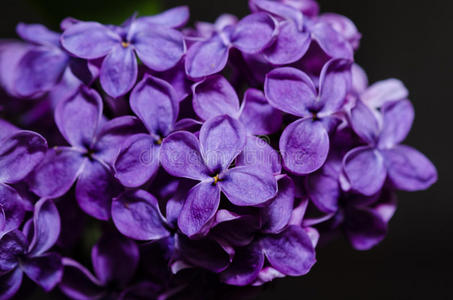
(406, 39)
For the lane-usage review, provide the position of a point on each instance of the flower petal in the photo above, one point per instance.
(79, 116)
(180, 156)
(304, 145)
(175, 17)
(253, 33)
(115, 259)
(137, 216)
(247, 263)
(283, 10)
(222, 138)
(248, 186)
(45, 270)
(214, 96)
(94, 190)
(154, 101)
(398, 117)
(10, 283)
(289, 46)
(12, 245)
(57, 172)
(384, 91)
(257, 115)
(323, 189)
(290, 90)
(19, 154)
(334, 84)
(78, 282)
(257, 152)
(278, 213)
(89, 40)
(290, 252)
(332, 43)
(364, 168)
(199, 208)
(207, 57)
(37, 34)
(39, 70)
(12, 211)
(408, 169)
(46, 227)
(137, 161)
(119, 71)
(158, 47)
(364, 123)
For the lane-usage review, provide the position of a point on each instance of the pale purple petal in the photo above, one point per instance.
(154, 101)
(214, 96)
(46, 227)
(180, 156)
(137, 161)
(359, 79)
(257, 115)
(304, 145)
(37, 34)
(57, 172)
(11, 52)
(365, 170)
(408, 169)
(39, 70)
(115, 259)
(45, 270)
(89, 40)
(79, 283)
(289, 46)
(19, 155)
(174, 17)
(199, 208)
(79, 116)
(222, 138)
(12, 211)
(253, 33)
(137, 216)
(282, 10)
(207, 57)
(246, 265)
(397, 122)
(333, 44)
(257, 152)
(158, 48)
(290, 90)
(343, 26)
(290, 252)
(119, 71)
(384, 91)
(95, 189)
(248, 186)
(277, 214)
(334, 84)
(364, 123)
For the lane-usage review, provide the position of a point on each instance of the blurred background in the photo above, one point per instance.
(409, 40)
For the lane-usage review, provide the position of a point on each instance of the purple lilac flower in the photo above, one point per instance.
(18, 255)
(304, 144)
(88, 159)
(366, 168)
(207, 159)
(250, 35)
(153, 39)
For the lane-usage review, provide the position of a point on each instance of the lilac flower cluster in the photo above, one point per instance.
(224, 151)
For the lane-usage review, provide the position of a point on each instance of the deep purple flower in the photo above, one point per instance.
(153, 39)
(20, 152)
(19, 255)
(207, 159)
(250, 35)
(304, 144)
(93, 146)
(366, 168)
